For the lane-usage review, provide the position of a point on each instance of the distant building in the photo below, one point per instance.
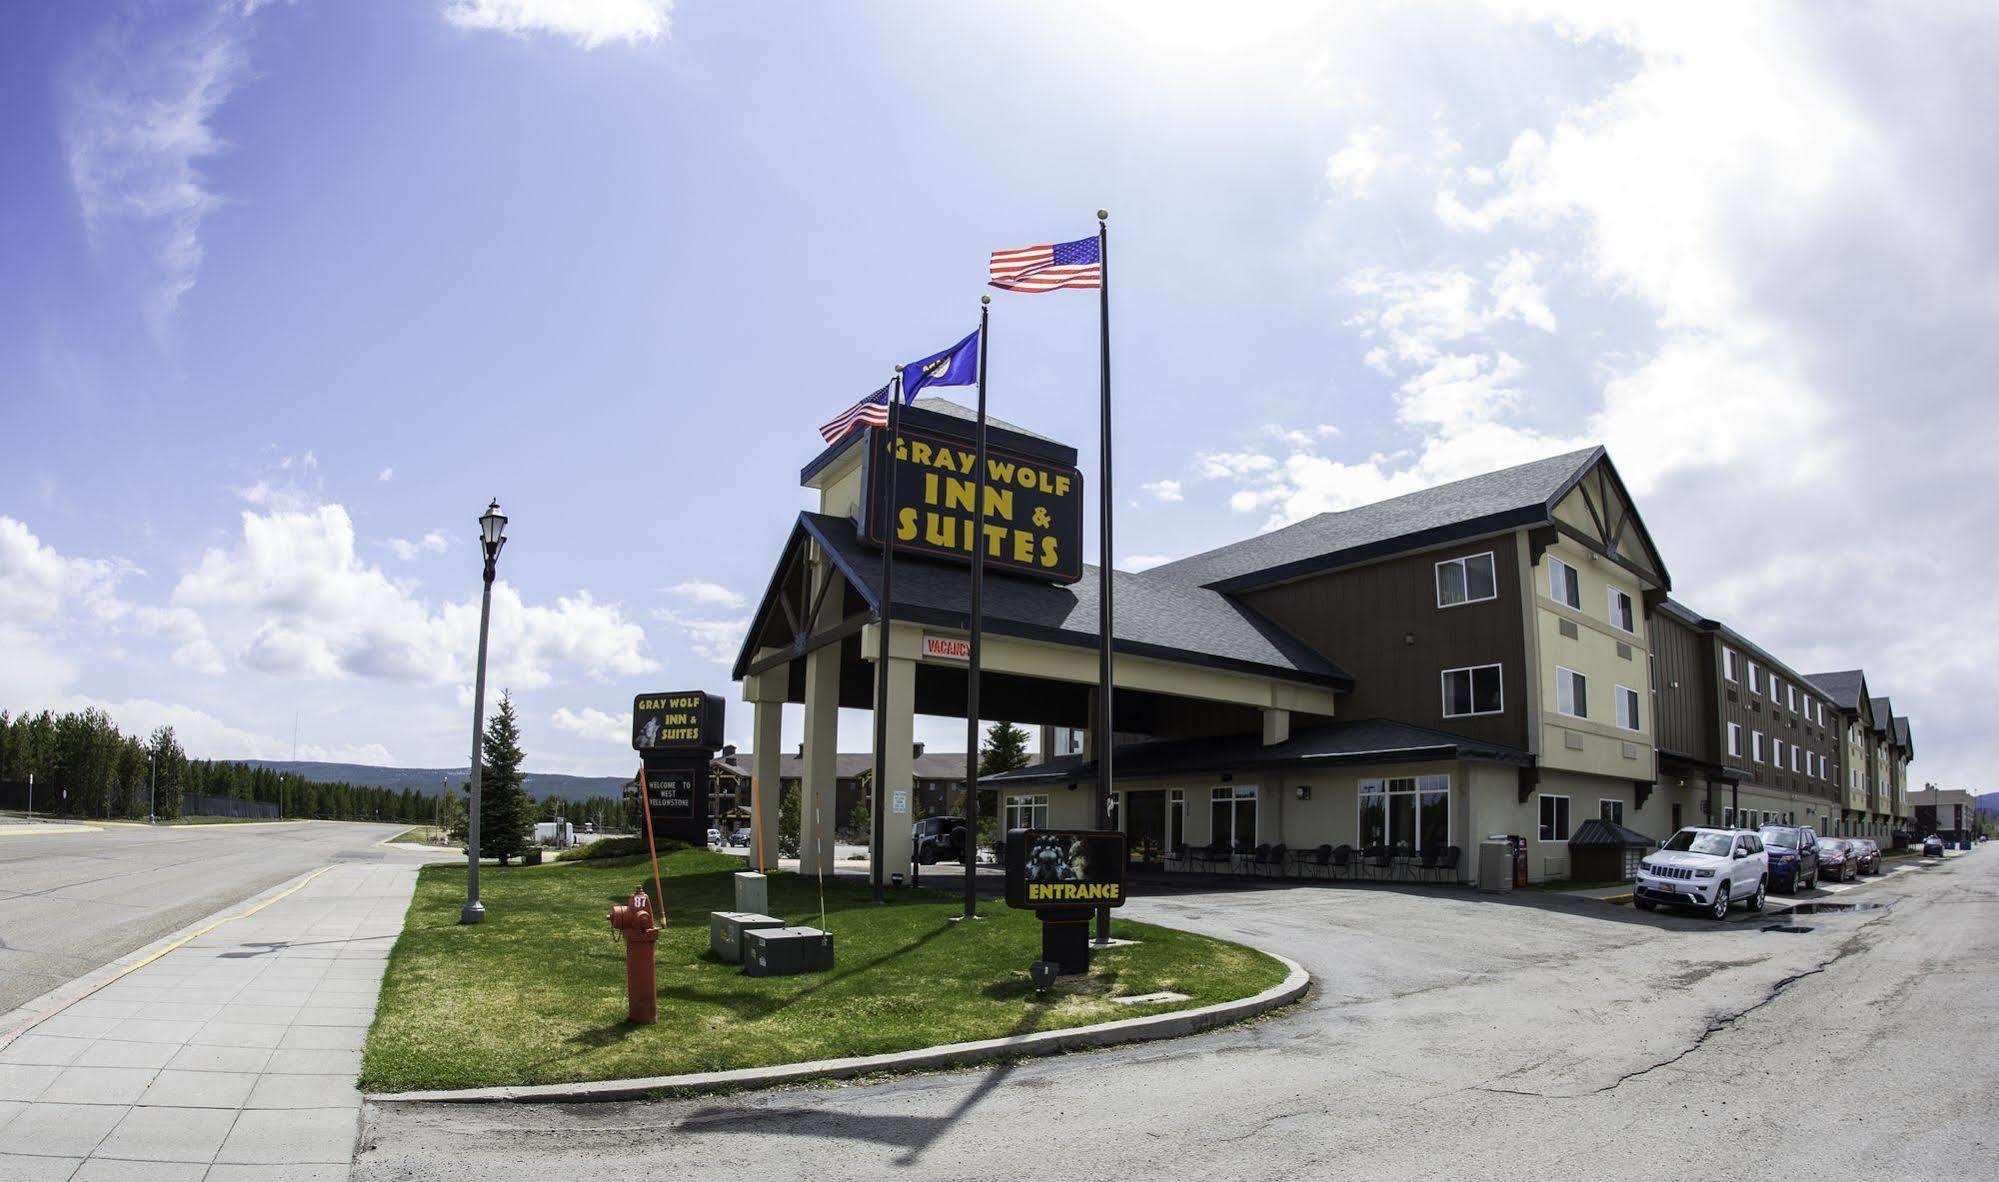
(1950, 813)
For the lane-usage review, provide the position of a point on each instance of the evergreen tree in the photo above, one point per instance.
(504, 815)
(1005, 749)
(789, 821)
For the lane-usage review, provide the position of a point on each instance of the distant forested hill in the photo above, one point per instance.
(428, 780)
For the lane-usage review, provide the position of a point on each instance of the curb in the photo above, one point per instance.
(958, 1054)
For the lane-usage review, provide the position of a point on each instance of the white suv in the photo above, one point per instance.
(1705, 868)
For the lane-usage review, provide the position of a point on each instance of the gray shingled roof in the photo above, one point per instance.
(1884, 714)
(1597, 833)
(944, 406)
(1521, 489)
(1902, 732)
(1153, 618)
(1842, 687)
(1367, 740)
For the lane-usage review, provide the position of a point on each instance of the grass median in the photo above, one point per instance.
(536, 994)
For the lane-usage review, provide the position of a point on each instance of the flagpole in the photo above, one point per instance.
(1105, 738)
(978, 619)
(884, 616)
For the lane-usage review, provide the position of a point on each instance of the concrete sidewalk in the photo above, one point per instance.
(232, 1056)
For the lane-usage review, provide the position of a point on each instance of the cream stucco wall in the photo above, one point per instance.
(1595, 744)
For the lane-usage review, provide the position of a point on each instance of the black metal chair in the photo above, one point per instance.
(1378, 858)
(1270, 859)
(1341, 861)
(1245, 853)
(1447, 866)
(1426, 864)
(1317, 860)
(1176, 858)
(1403, 861)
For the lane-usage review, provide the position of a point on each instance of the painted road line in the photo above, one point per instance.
(40, 830)
(9, 1036)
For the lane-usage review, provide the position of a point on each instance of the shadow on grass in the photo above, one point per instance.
(914, 1135)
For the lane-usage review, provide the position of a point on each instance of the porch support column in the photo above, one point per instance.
(765, 692)
(819, 781)
(899, 768)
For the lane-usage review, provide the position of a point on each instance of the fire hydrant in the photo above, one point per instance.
(634, 921)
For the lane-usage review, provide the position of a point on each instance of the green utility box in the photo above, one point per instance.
(726, 930)
(784, 952)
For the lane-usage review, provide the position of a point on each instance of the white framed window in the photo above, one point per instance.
(1571, 693)
(1735, 739)
(1728, 664)
(1774, 697)
(1627, 708)
(1755, 679)
(1794, 755)
(1406, 812)
(1727, 814)
(1777, 752)
(1821, 708)
(1470, 579)
(1609, 810)
(1790, 696)
(1232, 815)
(1565, 586)
(1620, 611)
(1027, 812)
(1473, 690)
(1554, 818)
(1756, 746)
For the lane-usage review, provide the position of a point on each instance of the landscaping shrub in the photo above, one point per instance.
(617, 847)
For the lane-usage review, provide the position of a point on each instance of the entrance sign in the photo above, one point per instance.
(949, 648)
(682, 721)
(1061, 869)
(1034, 509)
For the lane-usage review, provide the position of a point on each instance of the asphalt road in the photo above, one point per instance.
(1536, 1037)
(73, 902)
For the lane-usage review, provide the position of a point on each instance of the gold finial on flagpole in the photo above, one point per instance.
(1103, 215)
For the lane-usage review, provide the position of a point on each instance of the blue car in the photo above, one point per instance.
(1794, 857)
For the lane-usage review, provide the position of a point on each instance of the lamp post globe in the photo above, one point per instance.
(492, 536)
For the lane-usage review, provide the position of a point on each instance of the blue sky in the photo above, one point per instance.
(293, 288)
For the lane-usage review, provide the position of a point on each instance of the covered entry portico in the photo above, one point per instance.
(1191, 666)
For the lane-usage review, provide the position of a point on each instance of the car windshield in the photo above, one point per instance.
(1692, 841)
(1834, 844)
(1788, 839)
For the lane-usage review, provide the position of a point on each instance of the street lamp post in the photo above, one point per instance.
(152, 790)
(492, 536)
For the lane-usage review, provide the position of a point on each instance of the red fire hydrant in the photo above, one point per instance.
(634, 921)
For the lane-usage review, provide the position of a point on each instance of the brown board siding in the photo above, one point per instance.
(1381, 623)
(1683, 676)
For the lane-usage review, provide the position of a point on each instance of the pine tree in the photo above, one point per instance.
(1005, 749)
(503, 799)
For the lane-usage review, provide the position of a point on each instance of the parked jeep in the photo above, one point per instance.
(939, 839)
(1711, 869)
(1794, 856)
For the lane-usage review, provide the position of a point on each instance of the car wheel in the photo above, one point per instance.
(1644, 904)
(1756, 900)
(1719, 909)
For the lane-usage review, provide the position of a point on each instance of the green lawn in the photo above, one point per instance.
(536, 994)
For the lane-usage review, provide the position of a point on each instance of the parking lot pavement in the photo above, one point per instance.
(1528, 1037)
(232, 1056)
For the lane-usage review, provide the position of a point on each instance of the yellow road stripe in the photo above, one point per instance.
(11, 1035)
(38, 830)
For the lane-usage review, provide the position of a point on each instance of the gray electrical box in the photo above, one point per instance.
(1495, 864)
(727, 928)
(782, 952)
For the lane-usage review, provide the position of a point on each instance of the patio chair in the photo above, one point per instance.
(1341, 862)
(1317, 861)
(1271, 858)
(1176, 857)
(1426, 864)
(1447, 866)
(1245, 854)
(1378, 861)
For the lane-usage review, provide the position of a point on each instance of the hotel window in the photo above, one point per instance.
(1755, 679)
(1564, 585)
(1728, 669)
(1756, 746)
(1554, 818)
(1821, 706)
(1774, 699)
(1407, 813)
(1232, 815)
(1790, 695)
(1027, 812)
(1794, 752)
(1627, 708)
(1466, 580)
(1776, 749)
(1620, 610)
(1474, 690)
(1735, 738)
(1609, 810)
(1571, 693)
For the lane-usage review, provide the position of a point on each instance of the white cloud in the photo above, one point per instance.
(593, 724)
(387, 475)
(1353, 166)
(37, 583)
(434, 542)
(205, 736)
(293, 599)
(589, 23)
(716, 640)
(1167, 491)
(136, 110)
(705, 594)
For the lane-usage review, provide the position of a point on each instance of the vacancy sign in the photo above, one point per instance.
(947, 648)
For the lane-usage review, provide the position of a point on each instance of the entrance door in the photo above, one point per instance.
(1145, 827)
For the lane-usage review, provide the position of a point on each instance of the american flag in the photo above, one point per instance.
(870, 410)
(1045, 268)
